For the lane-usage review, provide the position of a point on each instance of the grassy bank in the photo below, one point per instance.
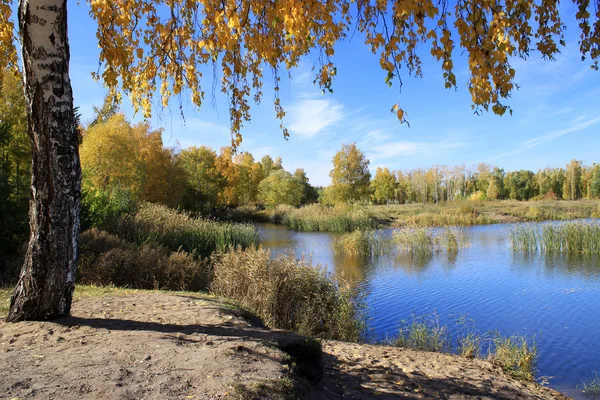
(465, 213)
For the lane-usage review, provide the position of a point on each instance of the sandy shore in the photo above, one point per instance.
(156, 345)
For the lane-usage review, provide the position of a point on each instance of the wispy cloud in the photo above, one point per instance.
(309, 117)
(408, 149)
(578, 124)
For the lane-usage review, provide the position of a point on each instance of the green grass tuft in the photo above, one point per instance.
(515, 355)
(591, 388)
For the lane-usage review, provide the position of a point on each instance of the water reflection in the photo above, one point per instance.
(351, 269)
(557, 295)
(556, 265)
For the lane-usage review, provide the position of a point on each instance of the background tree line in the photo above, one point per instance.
(351, 182)
(124, 162)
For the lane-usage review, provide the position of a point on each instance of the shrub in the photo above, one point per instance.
(105, 259)
(280, 212)
(103, 208)
(287, 293)
(154, 223)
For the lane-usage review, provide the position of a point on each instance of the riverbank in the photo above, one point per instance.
(344, 218)
(466, 213)
(122, 343)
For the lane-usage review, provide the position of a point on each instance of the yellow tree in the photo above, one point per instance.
(350, 175)
(155, 45)
(110, 156)
(383, 186)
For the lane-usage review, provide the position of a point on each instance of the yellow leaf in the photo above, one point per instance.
(400, 114)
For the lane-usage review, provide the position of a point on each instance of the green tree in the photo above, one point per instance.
(15, 169)
(309, 193)
(204, 180)
(280, 187)
(383, 186)
(350, 175)
(521, 185)
(572, 184)
(266, 163)
(249, 175)
(109, 108)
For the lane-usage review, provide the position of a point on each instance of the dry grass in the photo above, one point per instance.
(362, 243)
(105, 259)
(287, 293)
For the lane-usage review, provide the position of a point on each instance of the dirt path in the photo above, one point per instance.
(154, 345)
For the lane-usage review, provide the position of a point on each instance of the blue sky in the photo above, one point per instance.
(556, 112)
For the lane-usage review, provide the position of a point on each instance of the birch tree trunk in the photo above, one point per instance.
(46, 283)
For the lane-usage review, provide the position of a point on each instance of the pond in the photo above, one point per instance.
(554, 298)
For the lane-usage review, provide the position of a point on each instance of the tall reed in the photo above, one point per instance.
(579, 237)
(154, 223)
(288, 293)
(362, 243)
(424, 241)
(316, 217)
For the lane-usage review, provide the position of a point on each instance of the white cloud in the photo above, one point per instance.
(578, 124)
(408, 149)
(309, 117)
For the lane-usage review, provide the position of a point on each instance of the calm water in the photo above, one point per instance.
(557, 299)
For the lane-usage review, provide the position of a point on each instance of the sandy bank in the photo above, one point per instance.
(156, 345)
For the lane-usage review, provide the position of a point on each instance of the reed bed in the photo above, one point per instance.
(516, 355)
(316, 217)
(288, 293)
(424, 241)
(154, 223)
(579, 237)
(362, 243)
